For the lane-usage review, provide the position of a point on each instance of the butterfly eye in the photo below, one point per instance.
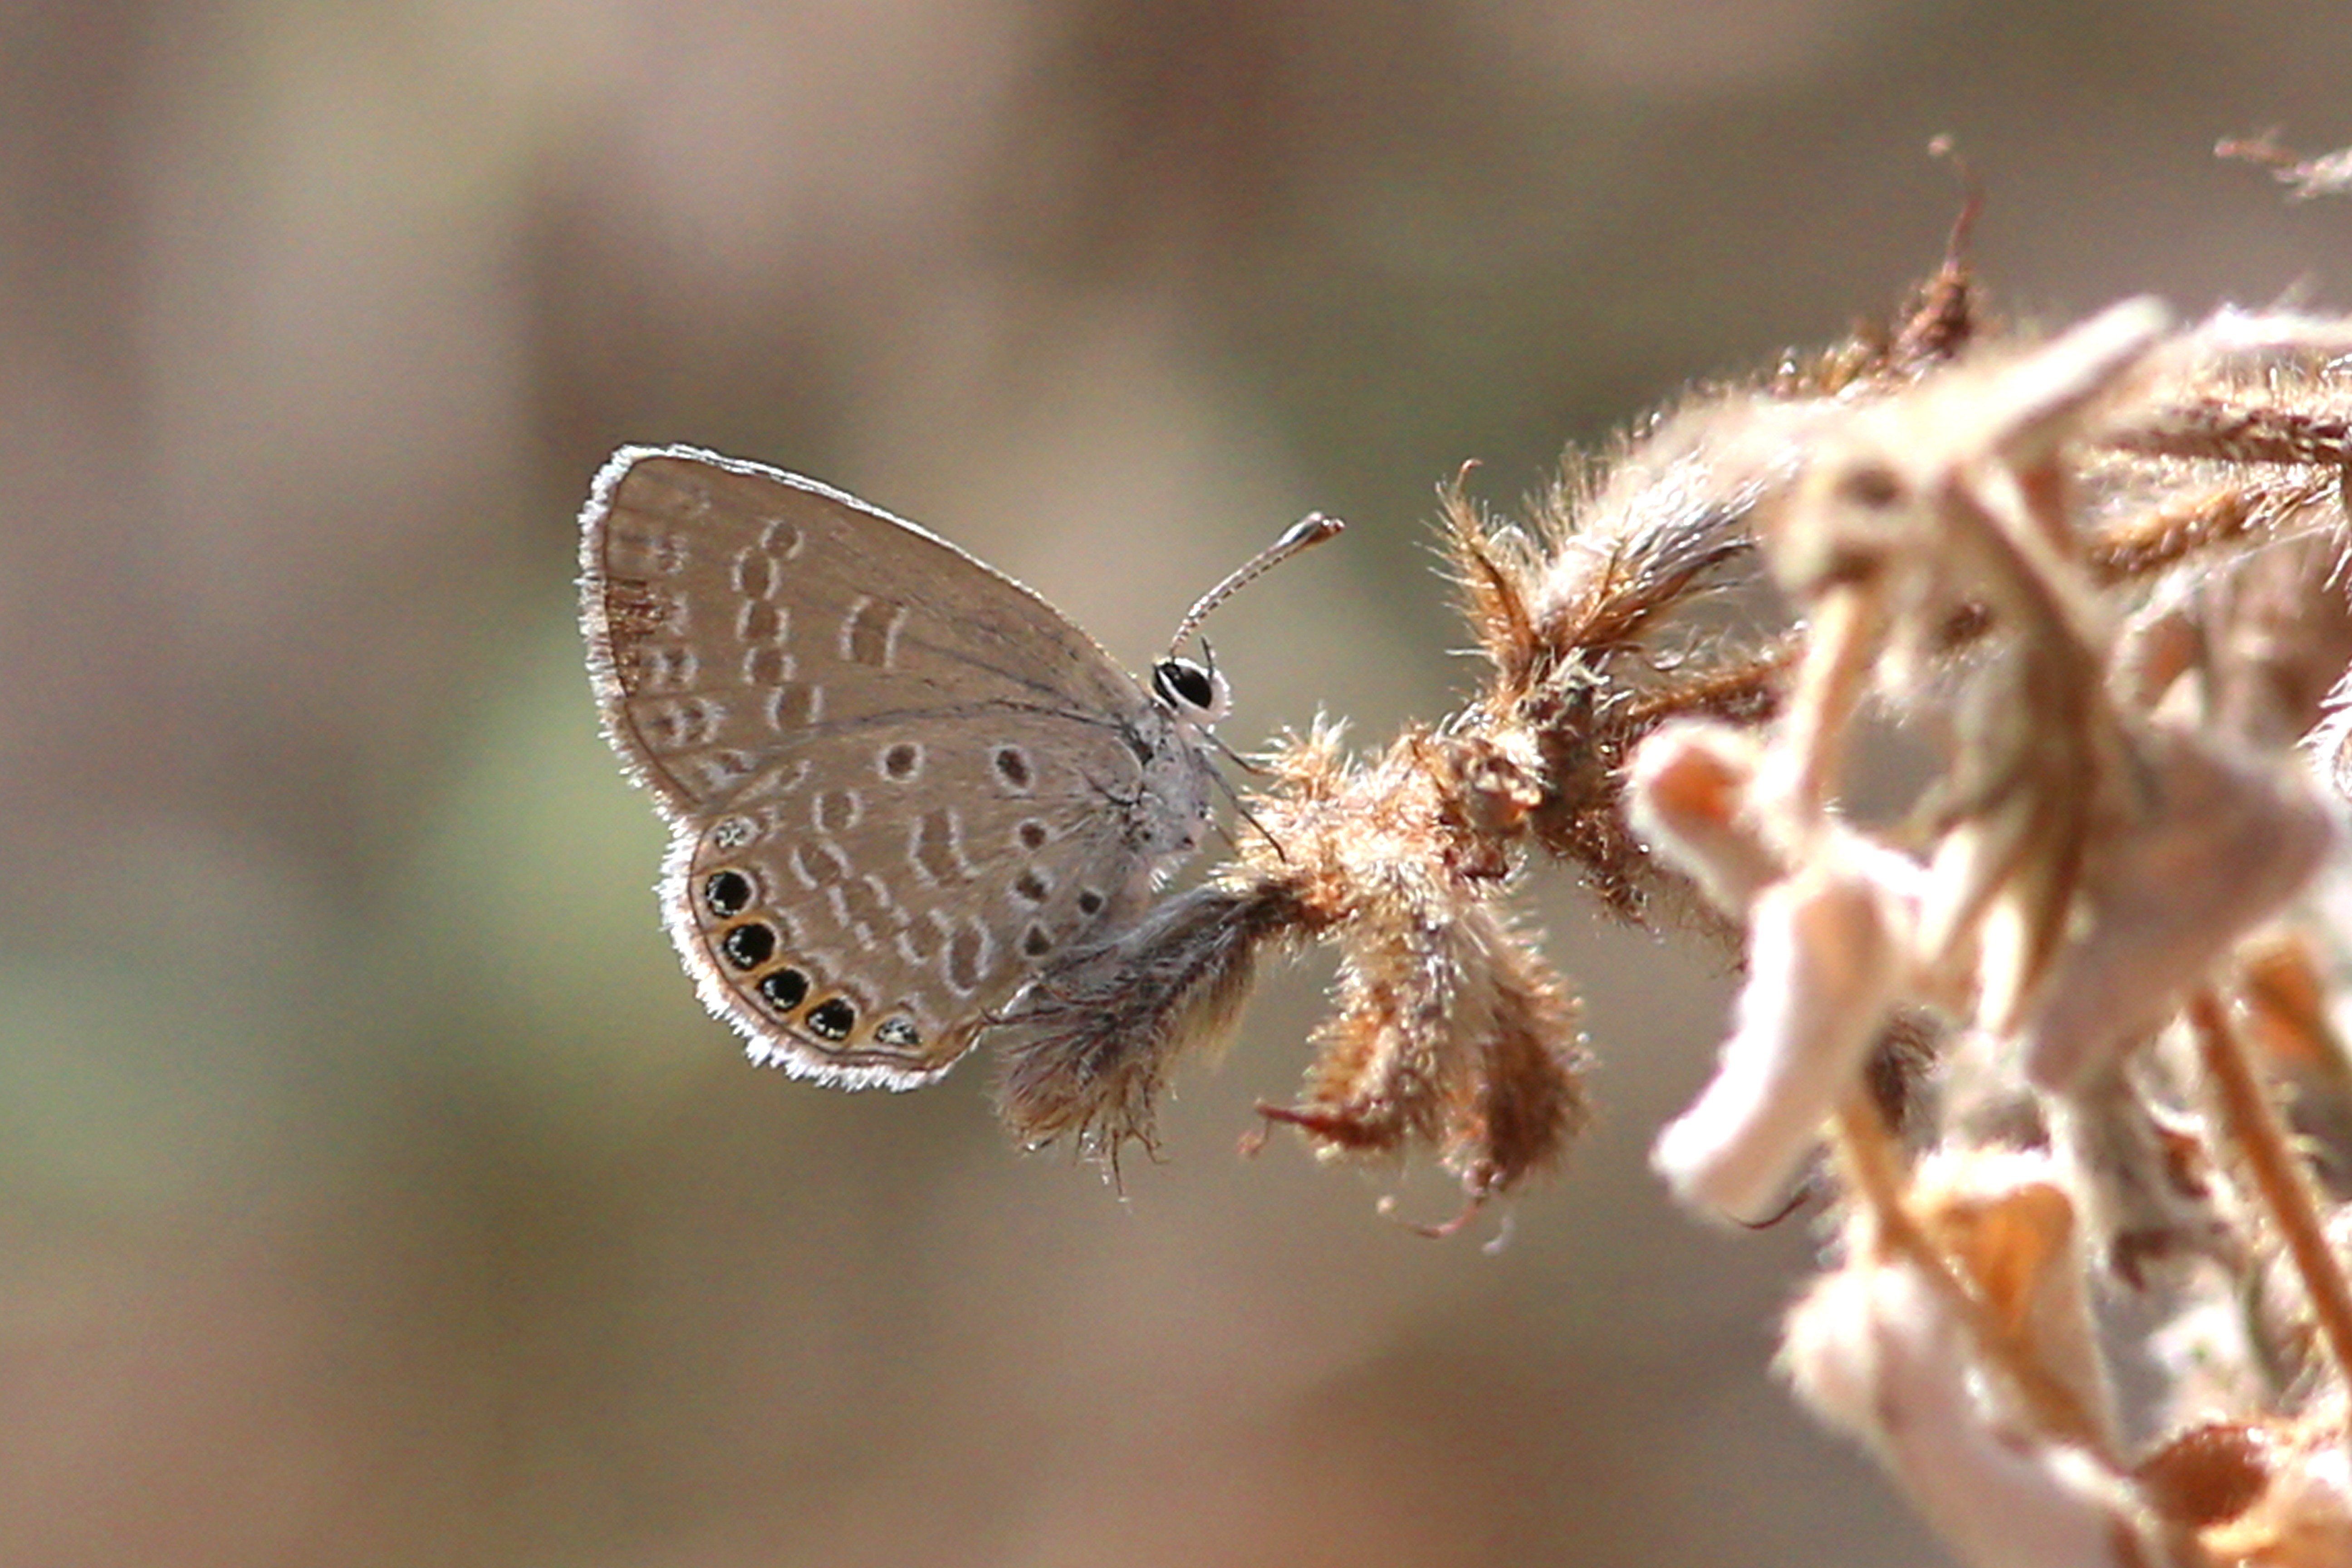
(1192, 689)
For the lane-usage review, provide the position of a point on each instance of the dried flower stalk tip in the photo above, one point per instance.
(2090, 579)
(1450, 1033)
(2079, 570)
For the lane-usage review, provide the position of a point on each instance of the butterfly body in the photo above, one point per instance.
(898, 783)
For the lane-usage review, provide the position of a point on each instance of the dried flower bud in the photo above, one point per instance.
(2303, 1518)
(2007, 1219)
(2208, 1475)
(1451, 1032)
(1451, 1037)
(1875, 1349)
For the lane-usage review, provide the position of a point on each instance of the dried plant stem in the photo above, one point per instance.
(1744, 690)
(2254, 1130)
(2290, 436)
(2167, 534)
(1831, 681)
(1872, 1165)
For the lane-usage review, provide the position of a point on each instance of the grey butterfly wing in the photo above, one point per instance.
(897, 781)
(719, 593)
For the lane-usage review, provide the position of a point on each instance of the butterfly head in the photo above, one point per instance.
(1191, 690)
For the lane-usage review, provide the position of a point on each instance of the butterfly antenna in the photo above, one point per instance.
(1312, 528)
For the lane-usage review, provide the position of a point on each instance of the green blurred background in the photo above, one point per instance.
(372, 1189)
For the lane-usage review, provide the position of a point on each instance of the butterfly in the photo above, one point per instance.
(898, 783)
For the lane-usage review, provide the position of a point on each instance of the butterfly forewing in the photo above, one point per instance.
(899, 782)
(732, 607)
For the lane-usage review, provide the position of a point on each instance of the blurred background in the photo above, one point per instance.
(372, 1189)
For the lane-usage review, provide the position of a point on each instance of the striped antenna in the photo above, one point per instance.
(1311, 530)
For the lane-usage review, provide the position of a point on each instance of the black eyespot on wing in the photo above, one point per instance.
(749, 946)
(727, 894)
(1012, 768)
(832, 1019)
(784, 990)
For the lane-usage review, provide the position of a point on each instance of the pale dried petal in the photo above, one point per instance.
(2224, 844)
(1686, 793)
(1876, 1350)
(2006, 1218)
(1825, 962)
(2233, 331)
